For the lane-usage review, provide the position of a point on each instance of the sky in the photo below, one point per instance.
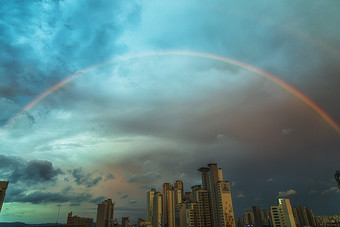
(149, 102)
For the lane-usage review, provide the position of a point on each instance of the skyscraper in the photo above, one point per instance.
(3, 187)
(157, 210)
(277, 215)
(220, 203)
(257, 216)
(288, 212)
(303, 216)
(178, 190)
(150, 204)
(105, 214)
(200, 196)
(168, 205)
(337, 177)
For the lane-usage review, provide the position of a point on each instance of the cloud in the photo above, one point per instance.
(144, 177)
(98, 199)
(290, 192)
(269, 179)
(240, 195)
(18, 170)
(41, 197)
(313, 192)
(124, 196)
(82, 178)
(109, 176)
(330, 190)
(132, 201)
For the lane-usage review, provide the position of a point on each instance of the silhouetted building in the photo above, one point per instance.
(248, 218)
(337, 177)
(303, 216)
(3, 187)
(76, 221)
(105, 214)
(125, 222)
(257, 216)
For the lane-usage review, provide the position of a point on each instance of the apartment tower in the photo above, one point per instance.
(220, 203)
(105, 214)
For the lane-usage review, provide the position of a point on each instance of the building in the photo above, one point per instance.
(149, 204)
(180, 215)
(3, 187)
(157, 210)
(178, 192)
(266, 221)
(78, 221)
(277, 216)
(337, 177)
(288, 212)
(303, 216)
(200, 196)
(192, 215)
(105, 214)
(219, 195)
(143, 223)
(168, 204)
(257, 216)
(125, 222)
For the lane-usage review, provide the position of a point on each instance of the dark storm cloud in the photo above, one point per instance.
(124, 196)
(18, 170)
(82, 178)
(42, 197)
(110, 176)
(98, 199)
(43, 42)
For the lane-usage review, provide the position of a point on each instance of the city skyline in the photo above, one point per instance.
(109, 99)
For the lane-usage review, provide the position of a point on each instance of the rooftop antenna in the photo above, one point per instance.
(56, 223)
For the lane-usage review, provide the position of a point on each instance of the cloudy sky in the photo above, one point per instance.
(143, 119)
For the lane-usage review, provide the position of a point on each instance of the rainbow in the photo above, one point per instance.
(253, 69)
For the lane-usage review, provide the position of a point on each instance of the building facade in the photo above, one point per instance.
(3, 188)
(105, 214)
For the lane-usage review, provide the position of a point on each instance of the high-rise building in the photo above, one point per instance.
(257, 216)
(288, 212)
(180, 215)
(220, 203)
(149, 204)
(266, 217)
(168, 206)
(277, 215)
(248, 218)
(200, 196)
(192, 215)
(78, 221)
(105, 214)
(157, 210)
(125, 222)
(337, 177)
(178, 191)
(3, 187)
(303, 216)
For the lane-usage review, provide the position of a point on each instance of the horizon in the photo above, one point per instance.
(108, 99)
